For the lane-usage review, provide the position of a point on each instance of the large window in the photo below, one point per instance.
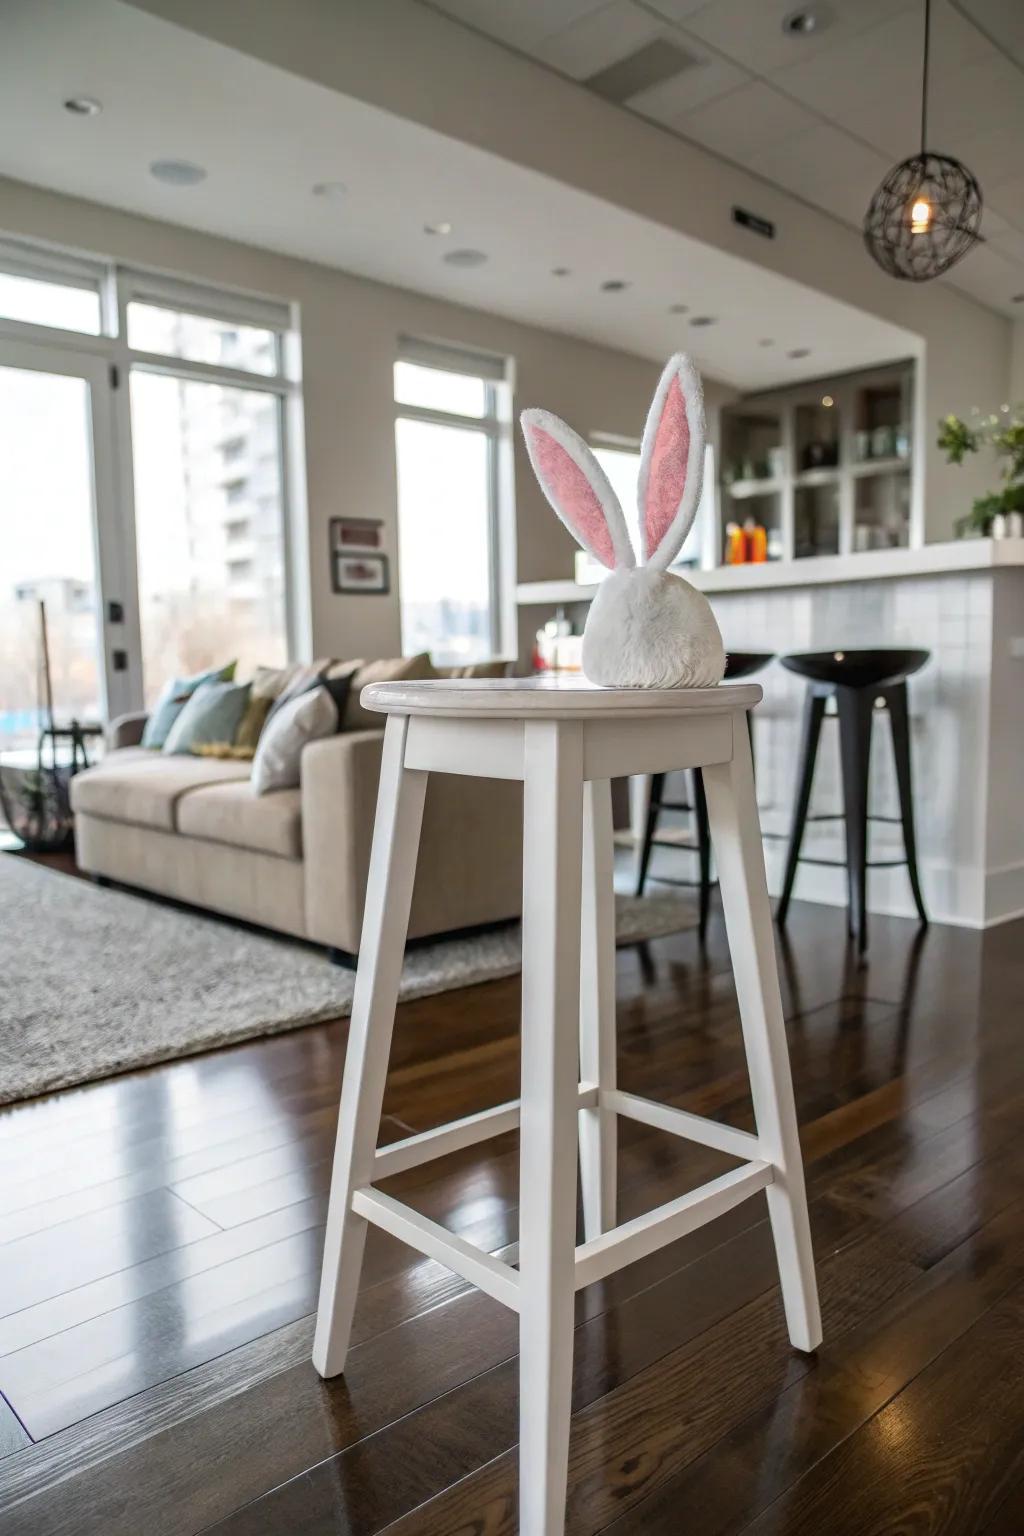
(451, 412)
(620, 460)
(146, 427)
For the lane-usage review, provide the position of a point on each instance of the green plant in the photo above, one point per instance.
(1003, 433)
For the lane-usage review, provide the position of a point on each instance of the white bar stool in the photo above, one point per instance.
(565, 740)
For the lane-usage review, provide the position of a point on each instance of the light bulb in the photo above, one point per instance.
(920, 216)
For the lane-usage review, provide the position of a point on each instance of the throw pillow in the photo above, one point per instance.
(212, 714)
(309, 717)
(402, 669)
(250, 727)
(301, 678)
(173, 698)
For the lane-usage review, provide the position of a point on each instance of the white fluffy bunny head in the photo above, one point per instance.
(647, 627)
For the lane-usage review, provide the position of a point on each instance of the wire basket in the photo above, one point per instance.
(36, 798)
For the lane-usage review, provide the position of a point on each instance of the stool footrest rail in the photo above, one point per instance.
(594, 1260)
(444, 1139)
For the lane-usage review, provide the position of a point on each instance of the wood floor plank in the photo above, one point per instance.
(13, 1434)
(59, 1258)
(942, 1456)
(756, 1462)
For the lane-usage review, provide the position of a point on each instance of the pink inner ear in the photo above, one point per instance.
(573, 494)
(667, 475)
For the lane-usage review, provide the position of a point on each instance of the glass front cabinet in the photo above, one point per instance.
(821, 469)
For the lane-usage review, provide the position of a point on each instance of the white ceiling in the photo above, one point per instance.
(266, 137)
(824, 115)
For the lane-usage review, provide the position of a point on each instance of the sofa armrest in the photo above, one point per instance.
(469, 870)
(339, 800)
(126, 730)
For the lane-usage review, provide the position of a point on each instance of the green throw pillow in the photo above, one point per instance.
(212, 714)
(173, 698)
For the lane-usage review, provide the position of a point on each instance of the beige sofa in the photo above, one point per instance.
(295, 860)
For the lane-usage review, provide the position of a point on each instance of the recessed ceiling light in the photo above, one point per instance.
(560, 271)
(678, 309)
(177, 173)
(329, 189)
(704, 320)
(83, 106)
(805, 20)
(443, 228)
(827, 401)
(614, 285)
(799, 352)
(465, 258)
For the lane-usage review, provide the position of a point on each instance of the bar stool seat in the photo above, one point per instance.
(856, 669)
(861, 682)
(565, 740)
(738, 664)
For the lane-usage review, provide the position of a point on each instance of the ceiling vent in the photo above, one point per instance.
(650, 65)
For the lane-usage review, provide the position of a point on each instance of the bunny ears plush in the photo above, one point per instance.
(647, 627)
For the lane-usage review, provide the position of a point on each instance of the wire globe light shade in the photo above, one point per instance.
(924, 217)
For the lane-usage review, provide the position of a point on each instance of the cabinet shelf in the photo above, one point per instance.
(740, 489)
(822, 492)
(868, 467)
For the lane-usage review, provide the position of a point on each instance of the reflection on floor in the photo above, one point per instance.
(161, 1236)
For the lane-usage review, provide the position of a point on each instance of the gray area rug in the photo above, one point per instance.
(96, 981)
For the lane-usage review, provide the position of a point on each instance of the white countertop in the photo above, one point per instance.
(824, 570)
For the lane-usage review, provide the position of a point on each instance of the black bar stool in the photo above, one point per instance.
(860, 682)
(737, 664)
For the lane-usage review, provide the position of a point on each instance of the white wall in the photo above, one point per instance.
(408, 59)
(349, 330)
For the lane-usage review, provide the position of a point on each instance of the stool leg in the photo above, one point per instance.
(597, 1127)
(552, 882)
(897, 700)
(396, 836)
(655, 790)
(700, 821)
(856, 707)
(741, 878)
(814, 713)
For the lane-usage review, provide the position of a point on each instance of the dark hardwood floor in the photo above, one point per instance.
(161, 1236)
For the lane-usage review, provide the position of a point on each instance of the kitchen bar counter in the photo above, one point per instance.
(964, 602)
(824, 570)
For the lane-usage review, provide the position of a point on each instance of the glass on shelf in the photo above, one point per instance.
(881, 427)
(752, 446)
(816, 520)
(881, 511)
(756, 534)
(817, 435)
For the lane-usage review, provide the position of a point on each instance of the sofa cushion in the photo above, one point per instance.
(145, 791)
(232, 813)
(401, 669)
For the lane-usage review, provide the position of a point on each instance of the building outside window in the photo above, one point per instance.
(453, 415)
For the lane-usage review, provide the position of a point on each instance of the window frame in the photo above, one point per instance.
(118, 284)
(496, 374)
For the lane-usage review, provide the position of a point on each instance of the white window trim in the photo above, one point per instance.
(497, 373)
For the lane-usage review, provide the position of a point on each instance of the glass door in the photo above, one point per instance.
(59, 553)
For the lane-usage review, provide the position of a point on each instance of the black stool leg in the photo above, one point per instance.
(896, 699)
(700, 817)
(653, 808)
(856, 706)
(814, 712)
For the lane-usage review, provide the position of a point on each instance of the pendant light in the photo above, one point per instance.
(925, 215)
